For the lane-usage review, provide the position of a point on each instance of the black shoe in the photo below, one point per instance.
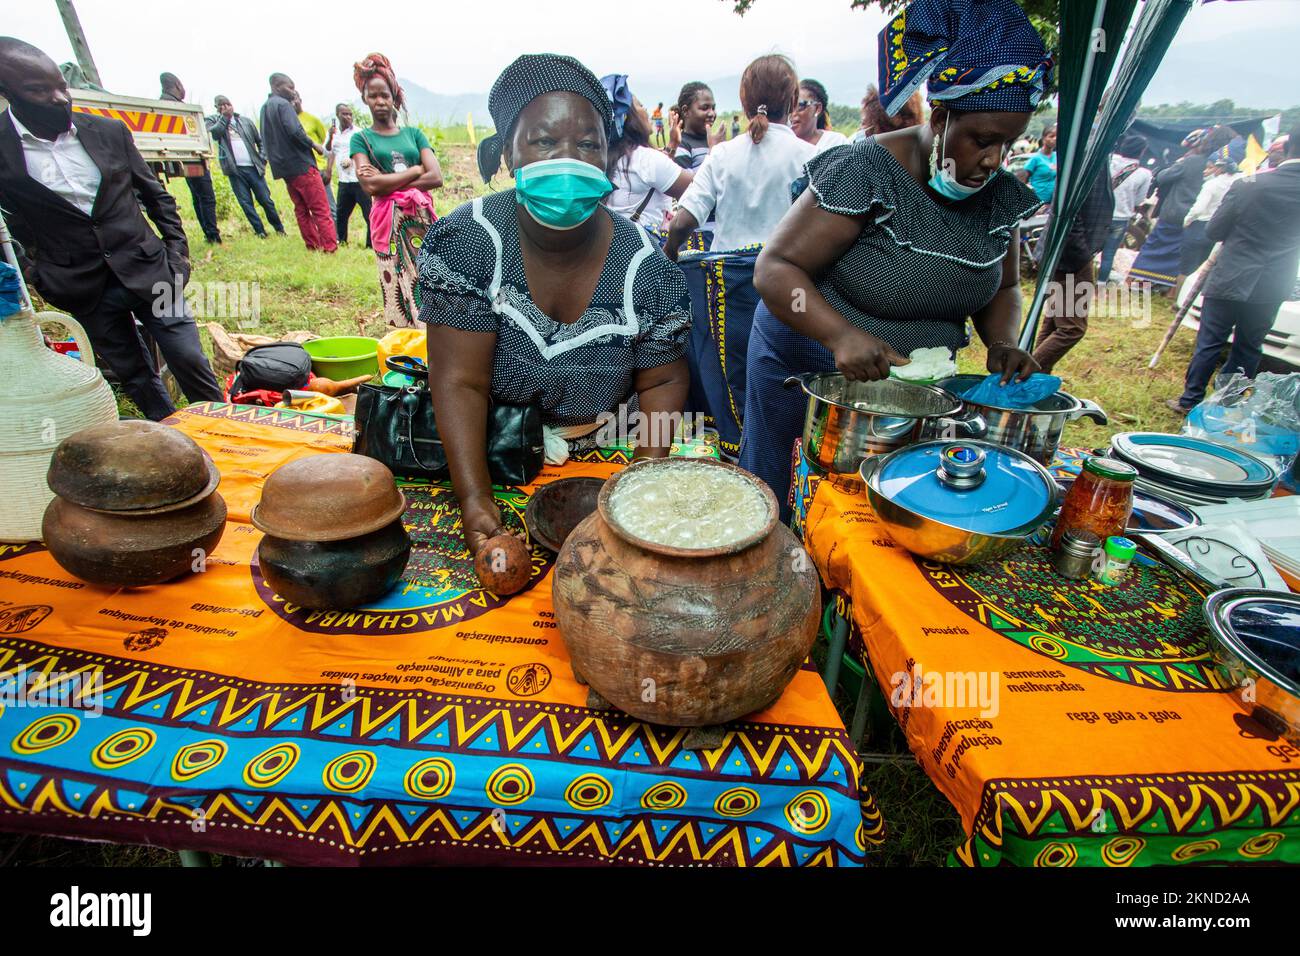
(1174, 406)
(261, 235)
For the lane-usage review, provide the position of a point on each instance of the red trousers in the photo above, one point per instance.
(312, 209)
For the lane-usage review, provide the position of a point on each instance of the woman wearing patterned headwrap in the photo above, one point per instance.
(539, 295)
(396, 168)
(902, 237)
(645, 180)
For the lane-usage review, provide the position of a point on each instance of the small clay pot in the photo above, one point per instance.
(132, 550)
(131, 466)
(556, 508)
(336, 575)
(328, 497)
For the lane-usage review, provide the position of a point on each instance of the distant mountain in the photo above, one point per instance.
(443, 109)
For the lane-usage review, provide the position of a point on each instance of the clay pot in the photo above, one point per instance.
(336, 575)
(131, 466)
(556, 508)
(129, 549)
(334, 536)
(328, 497)
(685, 638)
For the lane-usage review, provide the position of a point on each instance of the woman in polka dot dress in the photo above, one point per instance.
(525, 306)
(902, 237)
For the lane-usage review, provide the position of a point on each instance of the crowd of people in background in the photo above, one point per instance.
(903, 236)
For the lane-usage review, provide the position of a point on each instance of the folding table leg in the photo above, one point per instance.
(862, 709)
(835, 651)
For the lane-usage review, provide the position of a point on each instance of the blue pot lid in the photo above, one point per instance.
(974, 486)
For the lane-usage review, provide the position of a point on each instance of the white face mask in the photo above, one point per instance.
(944, 182)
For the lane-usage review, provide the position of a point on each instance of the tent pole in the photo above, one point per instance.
(1072, 148)
(1198, 283)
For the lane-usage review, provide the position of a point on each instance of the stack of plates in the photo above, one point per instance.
(1193, 471)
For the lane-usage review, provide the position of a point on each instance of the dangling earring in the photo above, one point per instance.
(934, 157)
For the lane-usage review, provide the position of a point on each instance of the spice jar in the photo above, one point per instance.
(1117, 555)
(1075, 555)
(1100, 500)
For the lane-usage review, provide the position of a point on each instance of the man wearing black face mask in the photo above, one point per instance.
(68, 186)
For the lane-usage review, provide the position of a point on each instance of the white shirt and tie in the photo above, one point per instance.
(62, 166)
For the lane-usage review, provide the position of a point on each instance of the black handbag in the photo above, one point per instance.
(396, 426)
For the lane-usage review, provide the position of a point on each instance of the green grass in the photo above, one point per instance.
(339, 295)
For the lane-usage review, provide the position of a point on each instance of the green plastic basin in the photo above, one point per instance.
(343, 356)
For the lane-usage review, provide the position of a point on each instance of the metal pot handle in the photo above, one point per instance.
(969, 424)
(801, 380)
(869, 466)
(1091, 410)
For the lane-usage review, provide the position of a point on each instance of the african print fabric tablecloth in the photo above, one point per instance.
(442, 725)
(1067, 722)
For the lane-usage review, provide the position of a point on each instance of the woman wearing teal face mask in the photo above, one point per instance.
(903, 236)
(539, 295)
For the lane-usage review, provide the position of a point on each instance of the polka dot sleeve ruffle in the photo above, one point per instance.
(850, 181)
(455, 271)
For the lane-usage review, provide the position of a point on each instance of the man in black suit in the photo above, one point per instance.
(68, 187)
(1259, 226)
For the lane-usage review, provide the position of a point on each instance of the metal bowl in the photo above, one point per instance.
(933, 539)
(131, 466)
(328, 497)
(1256, 649)
(558, 507)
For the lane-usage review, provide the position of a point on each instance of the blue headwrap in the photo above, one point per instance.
(620, 99)
(1230, 157)
(975, 55)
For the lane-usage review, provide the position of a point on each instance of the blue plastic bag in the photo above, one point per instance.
(1014, 394)
(11, 290)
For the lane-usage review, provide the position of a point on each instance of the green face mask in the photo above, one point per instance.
(560, 193)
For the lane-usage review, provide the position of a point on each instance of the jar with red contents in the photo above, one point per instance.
(1100, 500)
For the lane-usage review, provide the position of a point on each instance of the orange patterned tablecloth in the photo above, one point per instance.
(1066, 722)
(440, 725)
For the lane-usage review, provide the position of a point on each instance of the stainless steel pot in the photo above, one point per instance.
(1034, 431)
(1256, 648)
(849, 421)
(944, 534)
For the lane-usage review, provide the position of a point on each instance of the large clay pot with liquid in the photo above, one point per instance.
(685, 633)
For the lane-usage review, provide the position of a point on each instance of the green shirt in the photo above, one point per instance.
(403, 146)
(316, 132)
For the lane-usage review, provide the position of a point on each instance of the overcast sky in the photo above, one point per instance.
(453, 46)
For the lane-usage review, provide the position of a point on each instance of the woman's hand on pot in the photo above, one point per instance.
(1010, 362)
(481, 520)
(859, 356)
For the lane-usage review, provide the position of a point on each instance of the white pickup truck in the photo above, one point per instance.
(164, 131)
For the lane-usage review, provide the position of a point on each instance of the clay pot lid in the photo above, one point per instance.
(328, 497)
(131, 466)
